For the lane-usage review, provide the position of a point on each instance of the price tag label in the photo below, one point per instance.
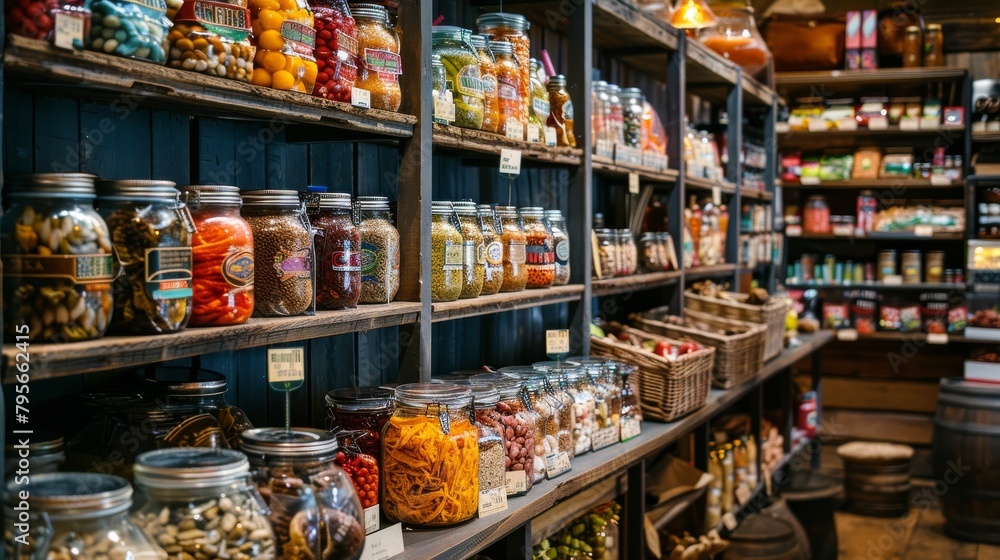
(517, 482)
(515, 130)
(605, 437)
(510, 162)
(793, 231)
(716, 196)
(556, 464)
(604, 149)
(929, 124)
(286, 365)
(892, 280)
(557, 341)
(817, 125)
(940, 180)
(630, 428)
(68, 31)
(937, 338)
(361, 98)
(729, 521)
(809, 181)
(847, 335)
(923, 231)
(384, 544)
(633, 183)
(909, 123)
(878, 122)
(492, 501)
(444, 108)
(534, 134)
(847, 123)
(551, 137)
(743, 495)
(372, 519)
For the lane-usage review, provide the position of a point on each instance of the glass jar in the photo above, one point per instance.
(57, 266)
(631, 415)
(461, 64)
(439, 83)
(616, 116)
(510, 105)
(816, 216)
(493, 274)
(492, 451)
(216, 42)
(628, 252)
(430, 443)
(514, 240)
(519, 430)
(291, 469)
(558, 386)
(560, 239)
(46, 454)
(539, 111)
(151, 232)
(187, 489)
(933, 45)
(608, 253)
(379, 250)
(379, 63)
(447, 272)
(73, 515)
(363, 470)
(584, 405)
(652, 257)
(363, 412)
(488, 73)
(561, 111)
(552, 436)
(632, 108)
(336, 50)
(473, 250)
(338, 253)
(736, 37)
(601, 116)
(130, 29)
(512, 28)
(540, 248)
(913, 43)
(222, 257)
(286, 40)
(282, 238)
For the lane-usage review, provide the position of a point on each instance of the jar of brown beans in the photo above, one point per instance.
(283, 250)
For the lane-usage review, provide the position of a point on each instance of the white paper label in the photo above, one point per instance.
(892, 280)
(793, 231)
(729, 521)
(556, 464)
(940, 180)
(716, 196)
(743, 495)
(847, 335)
(847, 123)
(557, 341)
(878, 122)
(604, 149)
(444, 107)
(510, 162)
(285, 365)
(68, 31)
(605, 437)
(534, 134)
(809, 180)
(372, 519)
(384, 544)
(929, 124)
(551, 137)
(630, 428)
(817, 125)
(515, 130)
(492, 501)
(937, 338)
(517, 482)
(923, 231)
(361, 98)
(633, 183)
(909, 123)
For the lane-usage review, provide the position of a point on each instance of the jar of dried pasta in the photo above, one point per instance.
(379, 63)
(492, 249)
(512, 28)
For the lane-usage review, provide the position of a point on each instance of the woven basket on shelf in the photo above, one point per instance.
(771, 315)
(738, 357)
(668, 390)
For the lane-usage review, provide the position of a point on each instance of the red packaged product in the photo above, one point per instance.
(336, 50)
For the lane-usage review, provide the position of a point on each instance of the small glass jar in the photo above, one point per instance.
(188, 489)
(561, 112)
(336, 50)
(514, 240)
(560, 239)
(363, 470)
(652, 258)
(282, 238)
(57, 263)
(492, 450)
(213, 42)
(552, 436)
(539, 108)
(151, 233)
(539, 249)
(632, 99)
(816, 215)
(512, 28)
(73, 515)
(559, 388)
(379, 250)
(933, 45)
(608, 253)
(285, 37)
(510, 105)
(488, 73)
(628, 253)
(447, 272)
(473, 249)
(461, 63)
(493, 273)
(601, 116)
(439, 83)
(379, 63)
(363, 412)
(46, 454)
(519, 429)
(631, 408)
(584, 406)
(616, 116)
(338, 253)
(913, 47)
(430, 443)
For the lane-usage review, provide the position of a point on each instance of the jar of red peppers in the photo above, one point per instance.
(540, 250)
(338, 253)
(362, 411)
(222, 257)
(363, 470)
(336, 50)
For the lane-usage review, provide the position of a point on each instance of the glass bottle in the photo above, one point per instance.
(513, 29)
(514, 243)
(447, 254)
(492, 249)
(736, 38)
(913, 43)
(561, 112)
(473, 249)
(379, 63)
(933, 45)
(508, 74)
(338, 253)
(632, 108)
(461, 63)
(379, 250)
(283, 238)
(540, 248)
(439, 80)
(560, 238)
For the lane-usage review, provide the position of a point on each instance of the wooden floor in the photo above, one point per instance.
(921, 538)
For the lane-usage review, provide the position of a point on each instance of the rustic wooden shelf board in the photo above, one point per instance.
(36, 63)
(634, 283)
(756, 92)
(986, 136)
(885, 184)
(883, 236)
(702, 272)
(922, 286)
(791, 137)
(607, 167)
(483, 305)
(882, 76)
(113, 352)
(706, 67)
(558, 518)
(698, 183)
(756, 195)
(466, 140)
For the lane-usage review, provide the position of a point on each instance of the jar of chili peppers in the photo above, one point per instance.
(222, 257)
(379, 63)
(338, 253)
(493, 274)
(362, 411)
(363, 470)
(519, 430)
(540, 253)
(336, 50)
(513, 239)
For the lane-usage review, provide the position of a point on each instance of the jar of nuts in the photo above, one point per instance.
(379, 250)
(628, 253)
(447, 276)
(519, 429)
(492, 251)
(199, 504)
(87, 514)
(540, 253)
(338, 252)
(214, 42)
(473, 249)
(560, 239)
(513, 239)
(285, 38)
(336, 50)
(379, 63)
(130, 29)
(57, 265)
(607, 253)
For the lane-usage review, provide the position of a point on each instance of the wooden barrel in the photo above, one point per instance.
(779, 509)
(966, 457)
(763, 536)
(877, 478)
(811, 497)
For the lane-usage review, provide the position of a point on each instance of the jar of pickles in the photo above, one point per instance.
(214, 42)
(431, 444)
(512, 28)
(519, 430)
(222, 257)
(488, 73)
(379, 250)
(363, 412)
(473, 249)
(336, 50)
(379, 63)
(632, 109)
(57, 266)
(510, 104)
(151, 235)
(514, 241)
(561, 111)
(283, 239)
(130, 29)
(447, 256)
(286, 40)
(493, 273)
(199, 503)
(338, 253)
(560, 241)
(461, 64)
(492, 450)
(540, 248)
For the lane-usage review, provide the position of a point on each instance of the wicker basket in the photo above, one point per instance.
(668, 390)
(738, 357)
(771, 315)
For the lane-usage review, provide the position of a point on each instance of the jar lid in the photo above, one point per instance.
(507, 384)
(479, 41)
(440, 33)
(934, 27)
(334, 201)
(589, 363)
(569, 370)
(370, 11)
(507, 211)
(182, 382)
(271, 198)
(554, 214)
(52, 185)
(632, 91)
(42, 443)
(501, 47)
(433, 393)
(465, 208)
(533, 212)
(913, 29)
(372, 203)
(189, 467)
(549, 364)
(360, 399)
(294, 442)
(74, 494)
(483, 396)
(514, 22)
(533, 378)
(485, 209)
(211, 194)
(613, 89)
(557, 82)
(137, 189)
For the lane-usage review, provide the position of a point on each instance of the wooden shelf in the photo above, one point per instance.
(884, 236)
(465, 140)
(511, 301)
(793, 137)
(607, 167)
(714, 271)
(986, 136)
(756, 92)
(113, 352)
(558, 518)
(635, 283)
(875, 184)
(883, 76)
(922, 286)
(38, 65)
(705, 67)
(751, 194)
(698, 183)
(919, 337)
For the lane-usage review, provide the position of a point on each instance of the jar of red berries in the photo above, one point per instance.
(336, 50)
(363, 471)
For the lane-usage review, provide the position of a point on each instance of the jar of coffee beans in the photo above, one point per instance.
(379, 250)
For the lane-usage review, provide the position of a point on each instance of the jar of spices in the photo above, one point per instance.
(286, 40)
(489, 424)
(933, 45)
(379, 250)
(379, 63)
(201, 43)
(283, 240)
(514, 240)
(520, 429)
(338, 253)
(336, 50)
(292, 469)
(189, 489)
(488, 73)
(632, 100)
(363, 470)
(222, 257)
(607, 252)
(73, 515)
(130, 29)
(816, 216)
(510, 105)
(886, 264)
(447, 254)
(913, 43)
(560, 239)
(57, 265)
(151, 234)
(473, 249)
(540, 248)
(430, 443)
(461, 64)
(512, 28)
(363, 412)
(911, 264)
(561, 111)
(493, 252)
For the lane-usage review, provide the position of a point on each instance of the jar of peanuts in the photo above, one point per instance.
(540, 255)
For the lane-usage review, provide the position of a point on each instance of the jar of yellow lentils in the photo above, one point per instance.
(285, 41)
(446, 253)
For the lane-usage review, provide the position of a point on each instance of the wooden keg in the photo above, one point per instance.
(779, 508)
(812, 498)
(763, 536)
(877, 478)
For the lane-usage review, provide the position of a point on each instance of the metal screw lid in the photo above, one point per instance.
(75, 495)
(359, 399)
(533, 212)
(52, 185)
(433, 393)
(334, 201)
(271, 198)
(465, 208)
(294, 442)
(189, 467)
(514, 22)
(372, 203)
(196, 195)
(137, 189)
(182, 382)
(376, 12)
(501, 47)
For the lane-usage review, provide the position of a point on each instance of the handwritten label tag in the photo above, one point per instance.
(847, 335)
(286, 365)
(510, 162)
(878, 122)
(556, 464)
(937, 338)
(361, 98)
(492, 501)
(515, 130)
(557, 341)
(384, 544)
(534, 134)
(729, 521)
(551, 137)
(605, 437)
(847, 123)
(68, 31)
(909, 123)
(743, 495)
(372, 519)
(631, 428)
(809, 181)
(517, 482)
(633, 183)
(923, 231)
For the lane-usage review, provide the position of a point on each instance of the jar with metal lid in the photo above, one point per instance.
(520, 429)
(933, 45)
(379, 63)
(558, 387)
(379, 250)
(282, 239)
(560, 240)
(151, 233)
(447, 256)
(584, 405)
(512, 28)
(488, 73)
(493, 269)
(473, 249)
(886, 264)
(510, 105)
(912, 267)
(291, 470)
(608, 253)
(540, 255)
(913, 47)
(73, 515)
(213, 42)
(492, 450)
(336, 50)
(199, 503)
(362, 411)
(514, 240)
(628, 253)
(439, 89)
(561, 111)
(631, 416)
(597, 371)
(338, 252)
(816, 215)
(552, 436)
(46, 453)
(461, 64)
(632, 110)
(601, 115)
(57, 263)
(649, 248)
(539, 110)
(222, 261)
(431, 443)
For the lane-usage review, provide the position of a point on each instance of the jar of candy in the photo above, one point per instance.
(512, 28)
(336, 50)
(283, 238)
(130, 29)
(493, 273)
(447, 254)
(286, 40)
(488, 73)
(379, 64)
(560, 240)
(222, 257)
(473, 249)
(540, 248)
(363, 470)
(514, 243)
(379, 250)
(214, 42)
(338, 253)
(36, 18)
(520, 429)
(362, 412)
(632, 100)
(561, 111)
(510, 105)
(461, 64)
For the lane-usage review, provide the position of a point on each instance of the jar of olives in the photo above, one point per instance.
(461, 64)
(473, 249)
(513, 239)
(493, 274)
(338, 252)
(379, 63)
(540, 256)
(379, 250)
(447, 276)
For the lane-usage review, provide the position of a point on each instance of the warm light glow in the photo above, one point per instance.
(997, 20)
(692, 14)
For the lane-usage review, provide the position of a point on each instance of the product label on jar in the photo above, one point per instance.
(507, 90)
(517, 482)
(631, 427)
(481, 253)
(372, 518)
(490, 86)
(540, 254)
(383, 62)
(492, 501)
(299, 37)
(540, 107)
(468, 84)
(516, 253)
(494, 253)
(168, 272)
(605, 437)
(345, 261)
(568, 111)
(237, 268)
(370, 261)
(454, 254)
(292, 264)
(219, 17)
(470, 255)
(562, 252)
(79, 269)
(347, 43)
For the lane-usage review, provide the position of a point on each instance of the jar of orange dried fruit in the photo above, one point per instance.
(285, 37)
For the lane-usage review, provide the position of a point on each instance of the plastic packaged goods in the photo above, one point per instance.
(151, 232)
(488, 73)
(338, 252)
(36, 18)
(283, 238)
(379, 250)
(632, 113)
(519, 426)
(514, 242)
(493, 251)
(336, 50)
(512, 28)
(447, 253)
(510, 105)
(461, 64)
(540, 248)
(379, 64)
(473, 249)
(286, 40)
(560, 241)
(561, 112)
(130, 29)
(214, 41)
(57, 263)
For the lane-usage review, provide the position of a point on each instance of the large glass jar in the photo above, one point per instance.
(519, 430)
(561, 111)
(46, 454)
(616, 116)
(447, 274)
(130, 29)
(632, 108)
(551, 436)
(539, 249)
(73, 515)
(379, 63)
(608, 254)
(601, 116)
(338, 253)
(510, 105)
(492, 451)
(512, 28)
(558, 386)
(285, 39)
(493, 274)
(222, 257)
(291, 469)
(151, 235)
(379, 250)
(363, 412)
(488, 73)
(461, 64)
(431, 444)
(214, 42)
(515, 272)
(736, 37)
(199, 504)
(282, 239)
(473, 250)
(336, 50)
(560, 240)
(57, 266)
(584, 405)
